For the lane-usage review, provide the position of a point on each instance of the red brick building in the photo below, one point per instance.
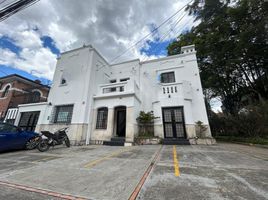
(15, 90)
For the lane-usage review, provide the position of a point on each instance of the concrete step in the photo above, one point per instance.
(121, 139)
(175, 141)
(114, 143)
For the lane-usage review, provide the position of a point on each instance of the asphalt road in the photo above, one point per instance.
(223, 171)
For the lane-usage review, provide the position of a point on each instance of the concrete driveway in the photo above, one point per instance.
(223, 171)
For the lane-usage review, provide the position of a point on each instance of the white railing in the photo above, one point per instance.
(170, 90)
(129, 86)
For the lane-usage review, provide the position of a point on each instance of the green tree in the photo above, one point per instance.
(231, 42)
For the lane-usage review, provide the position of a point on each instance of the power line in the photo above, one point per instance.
(13, 8)
(4, 72)
(167, 33)
(164, 36)
(153, 31)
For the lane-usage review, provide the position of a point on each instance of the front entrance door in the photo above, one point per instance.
(28, 120)
(121, 121)
(173, 121)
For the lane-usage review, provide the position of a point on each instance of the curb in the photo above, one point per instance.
(243, 143)
(41, 191)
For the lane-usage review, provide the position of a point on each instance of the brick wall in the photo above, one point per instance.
(14, 97)
(4, 102)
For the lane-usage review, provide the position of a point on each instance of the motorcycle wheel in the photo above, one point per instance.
(31, 144)
(67, 142)
(43, 145)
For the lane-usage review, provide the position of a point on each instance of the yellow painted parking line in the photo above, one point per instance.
(95, 162)
(176, 163)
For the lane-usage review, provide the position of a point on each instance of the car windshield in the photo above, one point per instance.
(7, 128)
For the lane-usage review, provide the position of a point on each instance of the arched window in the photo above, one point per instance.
(36, 96)
(102, 118)
(5, 93)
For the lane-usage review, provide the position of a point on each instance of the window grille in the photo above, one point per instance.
(168, 77)
(102, 118)
(63, 114)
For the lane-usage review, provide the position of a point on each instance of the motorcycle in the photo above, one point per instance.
(51, 139)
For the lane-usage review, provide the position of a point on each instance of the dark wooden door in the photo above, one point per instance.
(173, 121)
(121, 123)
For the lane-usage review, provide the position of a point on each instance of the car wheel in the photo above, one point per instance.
(32, 143)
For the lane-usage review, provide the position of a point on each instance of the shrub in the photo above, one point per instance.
(146, 123)
(146, 117)
(251, 121)
(200, 129)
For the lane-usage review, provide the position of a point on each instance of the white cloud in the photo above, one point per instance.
(110, 26)
(40, 62)
(6, 56)
(62, 38)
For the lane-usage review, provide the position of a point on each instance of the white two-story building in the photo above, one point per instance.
(99, 101)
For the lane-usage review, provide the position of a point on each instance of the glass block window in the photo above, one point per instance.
(167, 115)
(178, 115)
(168, 77)
(102, 118)
(63, 114)
(168, 130)
(179, 130)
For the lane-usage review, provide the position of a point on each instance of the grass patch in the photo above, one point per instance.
(257, 140)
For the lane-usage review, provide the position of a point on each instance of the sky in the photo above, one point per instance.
(32, 39)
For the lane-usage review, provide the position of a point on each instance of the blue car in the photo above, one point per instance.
(13, 137)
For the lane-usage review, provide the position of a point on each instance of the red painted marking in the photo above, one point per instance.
(144, 177)
(41, 191)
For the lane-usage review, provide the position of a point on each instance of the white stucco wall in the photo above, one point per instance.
(87, 73)
(41, 107)
(186, 78)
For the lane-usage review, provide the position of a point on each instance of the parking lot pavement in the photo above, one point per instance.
(15, 194)
(93, 172)
(223, 171)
